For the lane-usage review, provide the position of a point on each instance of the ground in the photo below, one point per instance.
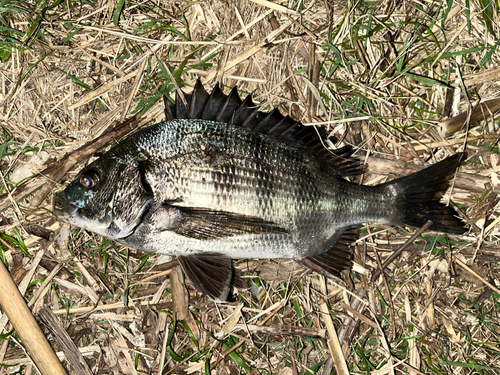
(389, 78)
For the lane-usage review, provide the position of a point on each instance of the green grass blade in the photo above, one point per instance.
(228, 344)
(34, 66)
(426, 80)
(143, 262)
(118, 12)
(191, 334)
(170, 350)
(473, 366)
(489, 54)
(487, 12)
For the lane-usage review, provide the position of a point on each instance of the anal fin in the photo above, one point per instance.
(212, 274)
(338, 257)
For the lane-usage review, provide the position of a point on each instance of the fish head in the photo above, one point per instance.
(109, 197)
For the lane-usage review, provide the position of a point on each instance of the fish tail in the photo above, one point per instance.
(416, 200)
(418, 196)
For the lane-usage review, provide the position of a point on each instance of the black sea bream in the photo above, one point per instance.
(221, 180)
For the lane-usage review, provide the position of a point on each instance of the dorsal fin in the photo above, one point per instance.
(230, 109)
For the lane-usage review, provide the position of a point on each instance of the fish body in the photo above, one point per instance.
(209, 190)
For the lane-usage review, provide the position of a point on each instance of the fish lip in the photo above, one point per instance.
(61, 208)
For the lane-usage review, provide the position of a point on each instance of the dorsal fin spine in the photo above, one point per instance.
(198, 100)
(233, 96)
(180, 109)
(212, 100)
(168, 109)
(246, 124)
(258, 128)
(271, 130)
(247, 103)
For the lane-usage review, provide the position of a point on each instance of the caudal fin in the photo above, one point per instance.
(418, 196)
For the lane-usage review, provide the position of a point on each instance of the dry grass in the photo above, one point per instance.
(380, 75)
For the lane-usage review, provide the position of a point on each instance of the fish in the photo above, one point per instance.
(221, 180)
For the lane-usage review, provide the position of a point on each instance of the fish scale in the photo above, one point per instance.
(200, 180)
(208, 192)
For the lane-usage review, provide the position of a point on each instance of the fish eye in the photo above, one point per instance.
(89, 179)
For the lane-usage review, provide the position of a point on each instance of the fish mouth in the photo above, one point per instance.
(62, 209)
(68, 213)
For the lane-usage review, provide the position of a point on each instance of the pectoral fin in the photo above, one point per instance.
(206, 224)
(211, 274)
